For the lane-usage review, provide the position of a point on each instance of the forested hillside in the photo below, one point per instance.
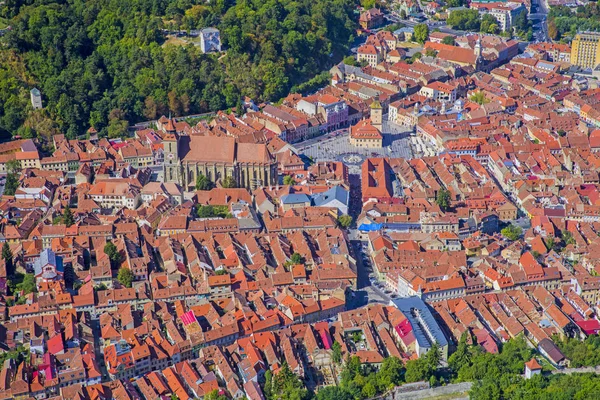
(104, 63)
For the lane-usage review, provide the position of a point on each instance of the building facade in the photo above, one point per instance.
(585, 50)
(187, 157)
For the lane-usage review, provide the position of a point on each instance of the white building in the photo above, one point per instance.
(506, 14)
(36, 98)
(439, 91)
(115, 194)
(210, 40)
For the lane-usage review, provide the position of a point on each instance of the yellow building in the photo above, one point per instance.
(365, 134)
(585, 50)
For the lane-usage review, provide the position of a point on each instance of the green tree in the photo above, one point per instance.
(268, 385)
(288, 180)
(125, 277)
(425, 367)
(101, 286)
(568, 238)
(433, 357)
(344, 221)
(415, 57)
(580, 353)
(449, 40)
(479, 98)
(512, 232)
(202, 183)
(369, 390)
(461, 356)
(416, 370)
(334, 393)
(336, 352)
(489, 24)
(521, 22)
(113, 254)
(550, 242)
(7, 256)
(443, 199)
(229, 182)
(352, 368)
(287, 386)
(68, 218)
(94, 68)
(117, 128)
(13, 170)
(206, 211)
(467, 20)
(391, 372)
(28, 284)
(421, 33)
(214, 395)
(239, 107)
(350, 60)
(368, 4)
(296, 258)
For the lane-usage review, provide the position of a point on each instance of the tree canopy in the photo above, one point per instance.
(449, 40)
(345, 220)
(285, 385)
(13, 170)
(421, 33)
(68, 218)
(7, 256)
(113, 253)
(125, 277)
(512, 232)
(107, 63)
(563, 23)
(203, 183)
(289, 179)
(443, 199)
(467, 20)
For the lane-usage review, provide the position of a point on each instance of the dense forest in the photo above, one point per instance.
(106, 63)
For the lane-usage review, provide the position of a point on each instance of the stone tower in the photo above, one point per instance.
(478, 50)
(377, 114)
(171, 152)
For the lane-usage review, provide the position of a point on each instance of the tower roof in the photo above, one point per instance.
(375, 104)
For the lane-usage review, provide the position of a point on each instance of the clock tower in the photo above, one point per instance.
(171, 163)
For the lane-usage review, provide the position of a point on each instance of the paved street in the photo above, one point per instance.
(366, 291)
(336, 146)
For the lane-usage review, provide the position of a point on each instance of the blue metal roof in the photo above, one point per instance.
(425, 327)
(47, 256)
(294, 199)
(335, 193)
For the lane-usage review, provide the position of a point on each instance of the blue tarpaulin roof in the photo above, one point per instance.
(370, 227)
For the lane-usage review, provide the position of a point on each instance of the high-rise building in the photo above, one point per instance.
(585, 50)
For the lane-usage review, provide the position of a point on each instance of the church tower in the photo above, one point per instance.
(171, 164)
(377, 114)
(478, 53)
